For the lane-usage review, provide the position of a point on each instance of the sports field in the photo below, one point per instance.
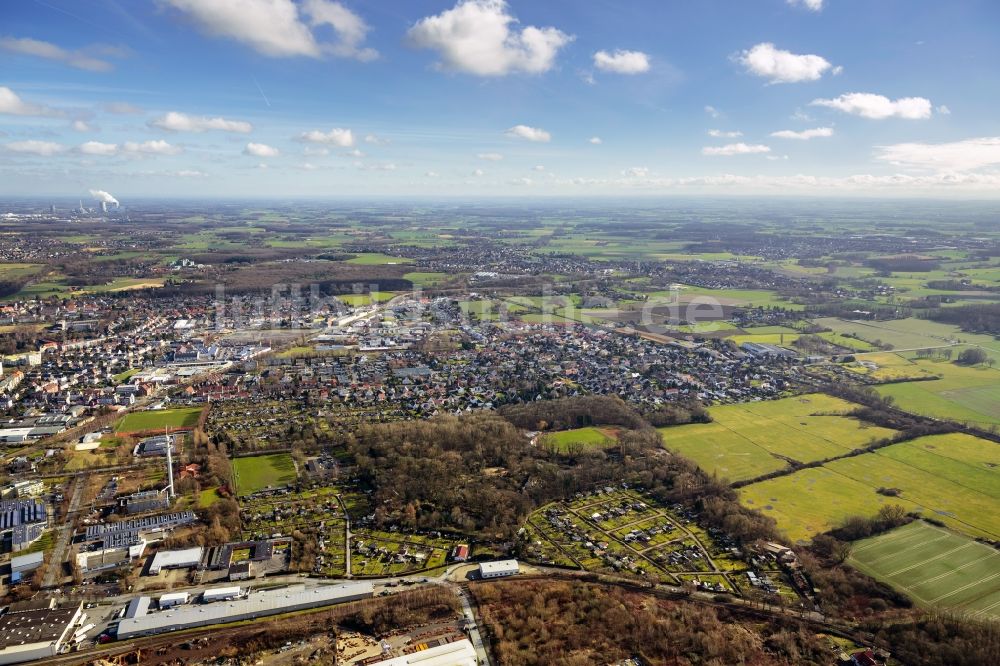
(952, 478)
(935, 567)
(259, 472)
(747, 440)
(158, 419)
(583, 438)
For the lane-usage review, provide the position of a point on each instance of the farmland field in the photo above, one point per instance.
(256, 473)
(747, 440)
(966, 394)
(158, 419)
(950, 478)
(935, 567)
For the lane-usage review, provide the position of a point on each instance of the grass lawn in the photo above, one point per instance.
(125, 376)
(158, 419)
(935, 567)
(355, 300)
(208, 497)
(965, 394)
(579, 438)
(748, 440)
(259, 472)
(377, 259)
(424, 279)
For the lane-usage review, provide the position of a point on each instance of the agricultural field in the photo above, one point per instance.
(748, 440)
(255, 473)
(935, 567)
(579, 438)
(376, 259)
(159, 419)
(360, 300)
(965, 394)
(951, 478)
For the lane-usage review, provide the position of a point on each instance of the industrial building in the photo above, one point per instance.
(456, 653)
(221, 594)
(498, 569)
(138, 607)
(39, 633)
(29, 562)
(173, 599)
(255, 605)
(175, 559)
(22, 522)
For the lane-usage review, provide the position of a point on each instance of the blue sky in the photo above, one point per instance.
(323, 98)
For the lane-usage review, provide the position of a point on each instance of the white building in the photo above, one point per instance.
(498, 569)
(221, 594)
(173, 599)
(458, 653)
(175, 559)
(37, 634)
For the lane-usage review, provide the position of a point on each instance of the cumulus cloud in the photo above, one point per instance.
(780, 66)
(12, 104)
(954, 156)
(804, 135)
(281, 28)
(376, 140)
(158, 147)
(722, 134)
(811, 5)
(80, 59)
(337, 136)
(481, 37)
(175, 121)
(622, 62)
(735, 149)
(82, 126)
(33, 147)
(529, 133)
(98, 148)
(712, 111)
(596, 140)
(636, 172)
(879, 107)
(260, 150)
(490, 157)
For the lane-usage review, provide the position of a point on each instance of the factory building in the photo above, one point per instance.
(257, 604)
(175, 559)
(456, 653)
(38, 633)
(173, 599)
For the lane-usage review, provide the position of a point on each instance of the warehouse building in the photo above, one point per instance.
(173, 599)
(39, 633)
(214, 594)
(29, 562)
(175, 559)
(498, 569)
(258, 604)
(457, 653)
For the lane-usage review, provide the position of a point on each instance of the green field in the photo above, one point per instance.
(158, 419)
(377, 259)
(747, 440)
(356, 300)
(952, 478)
(256, 473)
(582, 438)
(934, 567)
(966, 394)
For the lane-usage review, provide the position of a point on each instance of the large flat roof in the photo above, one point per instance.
(258, 604)
(499, 566)
(189, 557)
(46, 625)
(458, 653)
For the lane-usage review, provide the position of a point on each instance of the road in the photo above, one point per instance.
(347, 538)
(65, 535)
(475, 637)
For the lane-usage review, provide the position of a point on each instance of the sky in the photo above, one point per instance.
(318, 98)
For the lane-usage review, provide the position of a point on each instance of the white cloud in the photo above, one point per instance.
(175, 121)
(804, 135)
(812, 5)
(432, 174)
(780, 66)
(481, 37)
(943, 110)
(354, 153)
(521, 181)
(188, 173)
(735, 149)
(538, 167)
(32, 147)
(82, 126)
(478, 172)
(158, 147)
(103, 197)
(965, 155)
(879, 107)
(376, 140)
(98, 148)
(596, 140)
(636, 172)
(12, 104)
(722, 134)
(315, 151)
(79, 59)
(529, 133)
(622, 62)
(490, 157)
(260, 150)
(337, 136)
(281, 28)
(712, 111)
